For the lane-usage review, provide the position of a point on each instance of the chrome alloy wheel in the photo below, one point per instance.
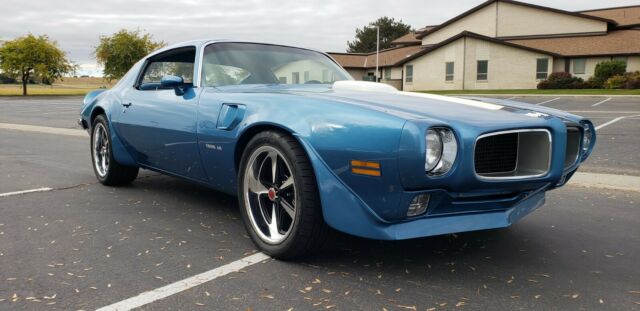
(270, 194)
(100, 150)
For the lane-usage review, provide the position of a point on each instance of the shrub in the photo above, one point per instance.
(608, 69)
(616, 82)
(561, 80)
(5, 79)
(633, 80)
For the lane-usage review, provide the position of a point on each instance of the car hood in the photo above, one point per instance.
(414, 106)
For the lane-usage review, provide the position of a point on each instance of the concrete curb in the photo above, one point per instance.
(543, 95)
(606, 181)
(44, 129)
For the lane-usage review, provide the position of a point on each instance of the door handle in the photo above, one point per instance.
(127, 105)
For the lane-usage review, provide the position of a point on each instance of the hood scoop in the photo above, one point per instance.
(363, 86)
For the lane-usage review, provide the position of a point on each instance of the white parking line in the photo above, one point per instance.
(174, 288)
(511, 97)
(614, 121)
(547, 101)
(8, 194)
(43, 129)
(601, 102)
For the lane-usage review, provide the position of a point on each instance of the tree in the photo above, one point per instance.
(118, 52)
(365, 40)
(32, 57)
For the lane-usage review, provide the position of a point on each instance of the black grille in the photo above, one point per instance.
(496, 154)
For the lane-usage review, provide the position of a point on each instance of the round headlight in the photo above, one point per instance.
(434, 149)
(442, 149)
(586, 139)
(449, 151)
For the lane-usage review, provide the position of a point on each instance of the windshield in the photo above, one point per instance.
(250, 63)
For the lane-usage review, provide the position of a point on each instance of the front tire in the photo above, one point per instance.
(107, 170)
(278, 197)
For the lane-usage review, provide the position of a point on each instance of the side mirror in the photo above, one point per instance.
(175, 82)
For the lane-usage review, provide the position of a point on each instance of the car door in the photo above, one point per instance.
(159, 124)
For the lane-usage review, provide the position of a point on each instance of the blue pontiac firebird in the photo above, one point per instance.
(305, 147)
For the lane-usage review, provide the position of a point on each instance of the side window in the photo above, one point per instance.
(542, 68)
(178, 62)
(483, 70)
(579, 65)
(448, 75)
(408, 74)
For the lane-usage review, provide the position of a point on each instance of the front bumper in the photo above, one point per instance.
(345, 211)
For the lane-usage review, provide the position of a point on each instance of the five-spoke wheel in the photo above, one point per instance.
(271, 197)
(278, 196)
(107, 170)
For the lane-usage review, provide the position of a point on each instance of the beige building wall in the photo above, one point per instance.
(501, 19)
(633, 63)
(306, 70)
(481, 22)
(518, 20)
(589, 68)
(396, 72)
(508, 67)
(429, 69)
(395, 79)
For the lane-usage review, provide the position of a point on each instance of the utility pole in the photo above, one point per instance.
(377, 49)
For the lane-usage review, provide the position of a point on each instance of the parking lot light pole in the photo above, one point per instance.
(377, 49)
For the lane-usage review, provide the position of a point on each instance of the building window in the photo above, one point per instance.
(295, 78)
(387, 73)
(282, 80)
(483, 70)
(449, 66)
(542, 68)
(409, 74)
(579, 65)
(306, 76)
(622, 58)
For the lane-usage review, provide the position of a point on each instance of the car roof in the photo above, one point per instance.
(200, 42)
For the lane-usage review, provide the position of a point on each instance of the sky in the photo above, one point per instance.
(324, 25)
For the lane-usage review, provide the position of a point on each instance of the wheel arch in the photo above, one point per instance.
(252, 131)
(98, 110)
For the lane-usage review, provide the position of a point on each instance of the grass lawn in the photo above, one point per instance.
(539, 92)
(68, 86)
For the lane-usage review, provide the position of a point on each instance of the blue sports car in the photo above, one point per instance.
(306, 148)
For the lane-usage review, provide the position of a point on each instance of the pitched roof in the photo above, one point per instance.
(486, 3)
(386, 58)
(430, 48)
(411, 38)
(408, 39)
(617, 42)
(624, 16)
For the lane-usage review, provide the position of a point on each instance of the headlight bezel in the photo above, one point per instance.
(448, 151)
(588, 139)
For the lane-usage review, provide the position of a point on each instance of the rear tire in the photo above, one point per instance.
(107, 170)
(281, 211)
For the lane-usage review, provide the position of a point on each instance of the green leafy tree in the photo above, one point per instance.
(118, 52)
(365, 40)
(31, 57)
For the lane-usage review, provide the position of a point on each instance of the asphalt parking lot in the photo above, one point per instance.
(77, 245)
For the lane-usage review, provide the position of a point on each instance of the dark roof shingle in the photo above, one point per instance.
(617, 42)
(624, 16)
